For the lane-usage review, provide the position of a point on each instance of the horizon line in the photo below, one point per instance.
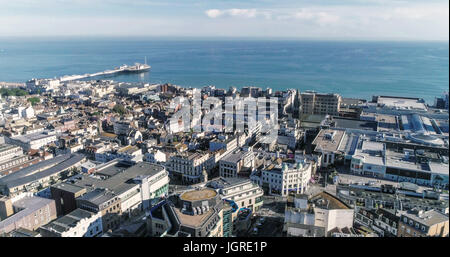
(231, 38)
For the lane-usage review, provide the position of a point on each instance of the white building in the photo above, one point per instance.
(7, 152)
(78, 223)
(242, 191)
(231, 164)
(328, 143)
(28, 113)
(155, 156)
(286, 178)
(188, 166)
(131, 154)
(418, 167)
(33, 141)
(322, 213)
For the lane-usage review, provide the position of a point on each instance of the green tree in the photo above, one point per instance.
(120, 109)
(13, 92)
(34, 100)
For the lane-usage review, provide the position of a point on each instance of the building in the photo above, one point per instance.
(8, 152)
(78, 223)
(11, 158)
(194, 213)
(277, 179)
(22, 232)
(400, 104)
(34, 140)
(104, 202)
(231, 164)
(227, 221)
(383, 221)
(316, 216)
(416, 166)
(6, 208)
(227, 143)
(327, 143)
(39, 175)
(138, 187)
(29, 212)
(419, 223)
(389, 197)
(131, 154)
(239, 190)
(122, 127)
(313, 103)
(369, 159)
(188, 166)
(28, 113)
(155, 156)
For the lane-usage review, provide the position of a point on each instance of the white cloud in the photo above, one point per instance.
(423, 12)
(214, 13)
(319, 17)
(235, 12)
(399, 19)
(249, 13)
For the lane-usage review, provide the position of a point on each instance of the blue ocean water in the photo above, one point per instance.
(353, 69)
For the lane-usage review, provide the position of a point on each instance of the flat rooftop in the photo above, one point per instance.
(41, 170)
(6, 147)
(31, 137)
(195, 195)
(193, 220)
(228, 182)
(68, 221)
(328, 140)
(27, 205)
(398, 160)
(98, 196)
(233, 157)
(118, 183)
(349, 144)
(401, 103)
(128, 149)
(428, 218)
(372, 146)
(355, 124)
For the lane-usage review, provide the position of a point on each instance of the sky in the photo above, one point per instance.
(316, 19)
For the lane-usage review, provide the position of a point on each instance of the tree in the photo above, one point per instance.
(13, 92)
(120, 109)
(34, 100)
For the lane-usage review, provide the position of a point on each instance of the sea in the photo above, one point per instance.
(354, 69)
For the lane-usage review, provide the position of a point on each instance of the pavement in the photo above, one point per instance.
(273, 212)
